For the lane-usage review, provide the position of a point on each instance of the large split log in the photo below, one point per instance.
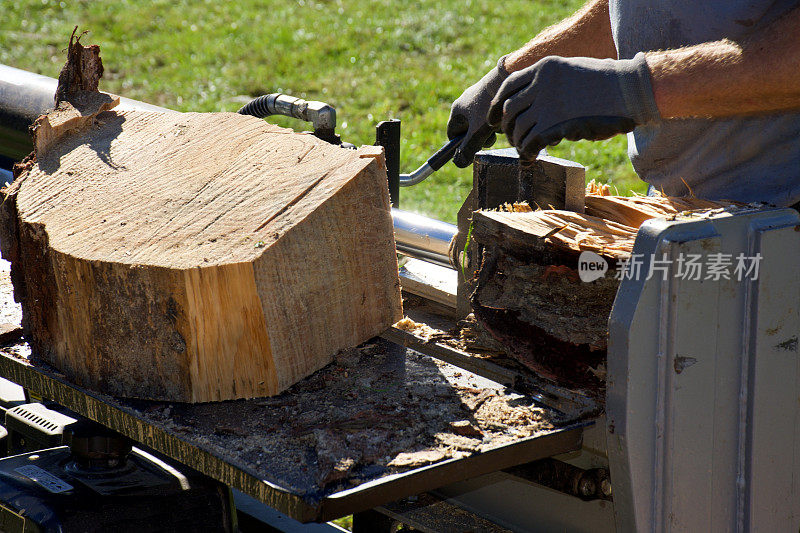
(194, 256)
(529, 295)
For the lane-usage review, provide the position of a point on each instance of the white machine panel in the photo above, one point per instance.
(703, 397)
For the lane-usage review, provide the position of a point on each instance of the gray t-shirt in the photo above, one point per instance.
(747, 159)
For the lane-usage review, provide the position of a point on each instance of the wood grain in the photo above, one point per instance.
(197, 257)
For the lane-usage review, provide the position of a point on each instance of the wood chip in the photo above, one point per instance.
(424, 457)
(466, 429)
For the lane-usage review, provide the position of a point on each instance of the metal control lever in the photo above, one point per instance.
(323, 118)
(434, 163)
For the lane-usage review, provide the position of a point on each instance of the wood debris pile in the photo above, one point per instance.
(529, 295)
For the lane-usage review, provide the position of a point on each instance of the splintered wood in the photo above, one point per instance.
(607, 228)
(193, 256)
(529, 295)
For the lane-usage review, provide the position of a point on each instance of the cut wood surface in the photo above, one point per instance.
(529, 295)
(195, 256)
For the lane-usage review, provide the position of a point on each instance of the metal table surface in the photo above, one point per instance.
(381, 423)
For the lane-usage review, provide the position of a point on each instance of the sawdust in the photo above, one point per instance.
(405, 460)
(423, 331)
(376, 411)
(468, 335)
(365, 426)
(466, 429)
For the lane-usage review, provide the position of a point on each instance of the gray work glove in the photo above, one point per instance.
(468, 115)
(572, 98)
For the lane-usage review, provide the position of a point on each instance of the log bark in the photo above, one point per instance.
(194, 256)
(528, 296)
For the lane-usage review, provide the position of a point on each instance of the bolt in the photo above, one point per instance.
(587, 487)
(605, 487)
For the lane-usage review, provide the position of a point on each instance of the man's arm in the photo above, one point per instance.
(607, 97)
(587, 33)
(760, 74)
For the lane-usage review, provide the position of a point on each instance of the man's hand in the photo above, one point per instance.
(586, 33)
(468, 115)
(572, 98)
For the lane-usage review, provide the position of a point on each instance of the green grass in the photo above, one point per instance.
(372, 60)
(345, 522)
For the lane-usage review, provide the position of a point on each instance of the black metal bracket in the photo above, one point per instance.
(387, 134)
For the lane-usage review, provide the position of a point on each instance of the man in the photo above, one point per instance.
(707, 88)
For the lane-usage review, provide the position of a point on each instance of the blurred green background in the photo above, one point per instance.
(372, 60)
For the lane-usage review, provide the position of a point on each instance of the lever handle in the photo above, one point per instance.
(434, 162)
(445, 153)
